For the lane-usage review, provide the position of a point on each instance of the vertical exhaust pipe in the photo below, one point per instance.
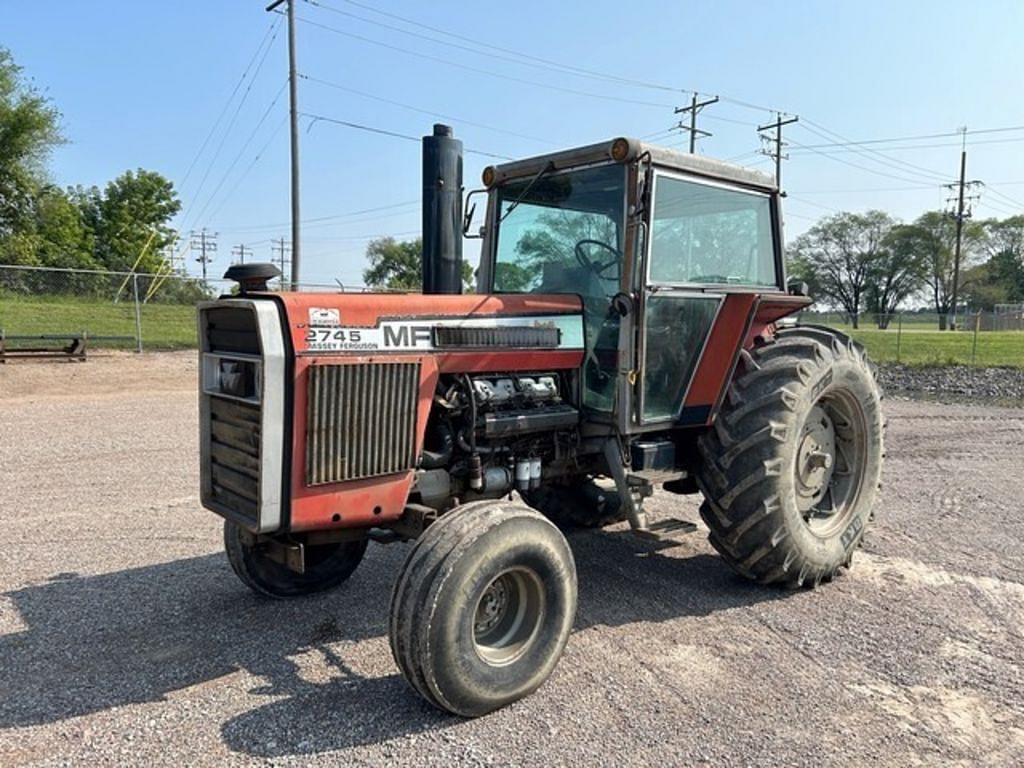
(442, 212)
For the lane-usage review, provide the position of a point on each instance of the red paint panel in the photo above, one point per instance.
(771, 308)
(716, 365)
(354, 501)
(367, 309)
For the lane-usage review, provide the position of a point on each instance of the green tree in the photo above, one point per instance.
(29, 130)
(130, 216)
(934, 236)
(899, 271)
(840, 256)
(397, 265)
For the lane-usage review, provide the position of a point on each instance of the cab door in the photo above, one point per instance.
(706, 241)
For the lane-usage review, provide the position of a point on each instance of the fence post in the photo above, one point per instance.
(899, 335)
(974, 345)
(138, 313)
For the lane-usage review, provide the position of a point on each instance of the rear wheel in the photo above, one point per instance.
(791, 467)
(327, 565)
(580, 503)
(483, 606)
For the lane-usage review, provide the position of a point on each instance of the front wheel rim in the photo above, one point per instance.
(508, 616)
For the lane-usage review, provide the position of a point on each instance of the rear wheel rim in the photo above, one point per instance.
(508, 616)
(831, 463)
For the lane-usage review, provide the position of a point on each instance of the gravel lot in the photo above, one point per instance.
(125, 639)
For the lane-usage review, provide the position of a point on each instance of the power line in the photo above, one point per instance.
(240, 251)
(323, 220)
(870, 153)
(248, 168)
(918, 137)
(238, 156)
(477, 70)
(224, 109)
(230, 125)
(384, 132)
(422, 111)
(490, 48)
(281, 248)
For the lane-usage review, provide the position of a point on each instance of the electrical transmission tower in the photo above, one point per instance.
(776, 154)
(281, 249)
(206, 243)
(961, 200)
(240, 251)
(692, 110)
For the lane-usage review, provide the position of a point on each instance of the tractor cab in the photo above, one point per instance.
(654, 242)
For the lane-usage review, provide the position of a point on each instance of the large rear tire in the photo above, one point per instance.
(483, 607)
(327, 565)
(791, 467)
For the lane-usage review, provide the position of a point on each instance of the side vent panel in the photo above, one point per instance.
(360, 421)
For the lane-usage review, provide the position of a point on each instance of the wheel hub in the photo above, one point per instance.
(508, 616)
(492, 607)
(816, 459)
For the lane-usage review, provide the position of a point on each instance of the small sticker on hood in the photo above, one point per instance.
(324, 317)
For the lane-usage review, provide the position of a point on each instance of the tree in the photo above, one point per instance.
(131, 217)
(899, 271)
(29, 130)
(397, 265)
(1005, 245)
(839, 256)
(934, 234)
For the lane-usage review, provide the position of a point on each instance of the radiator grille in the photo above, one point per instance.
(235, 455)
(360, 421)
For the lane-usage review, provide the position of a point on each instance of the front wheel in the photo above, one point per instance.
(791, 468)
(327, 565)
(483, 606)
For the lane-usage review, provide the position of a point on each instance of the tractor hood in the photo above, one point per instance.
(462, 329)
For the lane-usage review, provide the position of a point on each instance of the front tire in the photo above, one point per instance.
(483, 607)
(327, 565)
(791, 468)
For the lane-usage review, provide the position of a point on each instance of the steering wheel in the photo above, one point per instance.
(597, 267)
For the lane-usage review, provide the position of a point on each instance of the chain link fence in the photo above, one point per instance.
(111, 310)
(984, 338)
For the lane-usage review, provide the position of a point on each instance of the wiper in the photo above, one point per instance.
(542, 172)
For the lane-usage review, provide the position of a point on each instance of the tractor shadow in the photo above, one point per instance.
(84, 644)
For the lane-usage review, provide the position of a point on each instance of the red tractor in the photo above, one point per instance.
(624, 335)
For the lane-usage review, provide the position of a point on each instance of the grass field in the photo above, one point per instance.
(164, 326)
(171, 326)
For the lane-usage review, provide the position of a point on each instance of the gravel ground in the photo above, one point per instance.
(126, 640)
(955, 383)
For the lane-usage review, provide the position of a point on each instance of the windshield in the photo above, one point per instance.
(564, 235)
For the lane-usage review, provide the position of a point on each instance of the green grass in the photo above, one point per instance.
(164, 326)
(928, 347)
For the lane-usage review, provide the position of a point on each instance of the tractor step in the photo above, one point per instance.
(668, 529)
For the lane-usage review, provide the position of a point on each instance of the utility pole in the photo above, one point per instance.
(206, 243)
(777, 154)
(241, 251)
(692, 110)
(293, 112)
(280, 247)
(959, 216)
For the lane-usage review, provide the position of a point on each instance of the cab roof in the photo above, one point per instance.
(624, 150)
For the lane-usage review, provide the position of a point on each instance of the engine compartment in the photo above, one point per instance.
(491, 433)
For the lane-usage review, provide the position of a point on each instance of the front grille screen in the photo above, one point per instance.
(360, 421)
(235, 455)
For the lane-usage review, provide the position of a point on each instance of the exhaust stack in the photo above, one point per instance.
(442, 212)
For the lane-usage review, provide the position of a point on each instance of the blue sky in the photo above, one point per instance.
(141, 84)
